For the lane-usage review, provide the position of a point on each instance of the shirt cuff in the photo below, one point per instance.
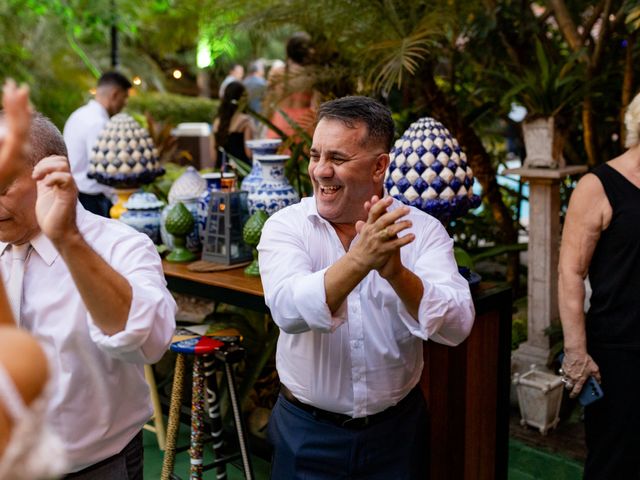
(148, 331)
(310, 298)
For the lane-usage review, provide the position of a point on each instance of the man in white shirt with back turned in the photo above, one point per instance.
(356, 281)
(93, 293)
(81, 132)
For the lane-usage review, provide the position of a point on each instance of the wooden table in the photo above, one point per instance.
(228, 286)
(467, 387)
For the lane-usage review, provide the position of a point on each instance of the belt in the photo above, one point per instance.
(346, 421)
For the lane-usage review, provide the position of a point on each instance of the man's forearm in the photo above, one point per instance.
(340, 279)
(106, 294)
(410, 289)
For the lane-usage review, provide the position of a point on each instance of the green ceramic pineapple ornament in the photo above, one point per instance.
(251, 235)
(179, 223)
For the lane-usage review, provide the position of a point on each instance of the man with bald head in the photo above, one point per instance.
(92, 291)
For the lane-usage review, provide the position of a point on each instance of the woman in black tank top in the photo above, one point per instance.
(601, 238)
(232, 128)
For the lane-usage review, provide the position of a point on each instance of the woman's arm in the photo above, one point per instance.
(589, 213)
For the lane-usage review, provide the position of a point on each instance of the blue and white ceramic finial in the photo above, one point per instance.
(429, 170)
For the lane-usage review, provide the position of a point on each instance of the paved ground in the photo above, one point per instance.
(567, 439)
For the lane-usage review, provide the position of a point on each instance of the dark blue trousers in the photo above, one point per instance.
(126, 465)
(307, 448)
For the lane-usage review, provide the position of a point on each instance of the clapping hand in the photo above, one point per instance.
(379, 245)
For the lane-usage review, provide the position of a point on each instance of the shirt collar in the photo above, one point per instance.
(42, 245)
(98, 106)
(311, 209)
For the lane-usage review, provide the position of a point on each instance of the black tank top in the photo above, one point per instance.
(235, 146)
(613, 319)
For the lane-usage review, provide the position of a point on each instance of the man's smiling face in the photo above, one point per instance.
(345, 170)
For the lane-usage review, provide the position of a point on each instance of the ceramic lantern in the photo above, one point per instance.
(429, 170)
(124, 155)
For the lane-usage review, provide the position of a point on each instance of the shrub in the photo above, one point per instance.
(172, 108)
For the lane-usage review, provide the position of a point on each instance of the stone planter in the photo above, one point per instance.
(543, 143)
(539, 398)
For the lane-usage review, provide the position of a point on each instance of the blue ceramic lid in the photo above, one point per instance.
(264, 145)
(143, 201)
(187, 187)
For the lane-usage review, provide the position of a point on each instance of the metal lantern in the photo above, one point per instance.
(223, 242)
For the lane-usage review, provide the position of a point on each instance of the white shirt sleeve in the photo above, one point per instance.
(151, 321)
(446, 312)
(294, 292)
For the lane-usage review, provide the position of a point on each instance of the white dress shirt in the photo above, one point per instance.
(80, 134)
(100, 399)
(368, 355)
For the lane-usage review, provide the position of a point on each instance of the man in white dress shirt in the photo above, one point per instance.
(94, 295)
(356, 282)
(81, 132)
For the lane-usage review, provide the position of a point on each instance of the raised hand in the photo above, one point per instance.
(13, 141)
(379, 245)
(57, 197)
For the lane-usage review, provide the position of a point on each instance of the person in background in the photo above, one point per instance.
(290, 89)
(81, 132)
(600, 239)
(92, 291)
(235, 74)
(256, 86)
(356, 282)
(232, 128)
(28, 449)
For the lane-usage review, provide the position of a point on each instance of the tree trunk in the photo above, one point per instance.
(479, 160)
(589, 132)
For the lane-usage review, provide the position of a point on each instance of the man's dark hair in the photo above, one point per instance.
(354, 109)
(114, 79)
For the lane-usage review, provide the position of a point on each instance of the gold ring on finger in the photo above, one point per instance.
(384, 234)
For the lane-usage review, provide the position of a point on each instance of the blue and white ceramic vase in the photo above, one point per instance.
(429, 170)
(262, 146)
(275, 191)
(143, 214)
